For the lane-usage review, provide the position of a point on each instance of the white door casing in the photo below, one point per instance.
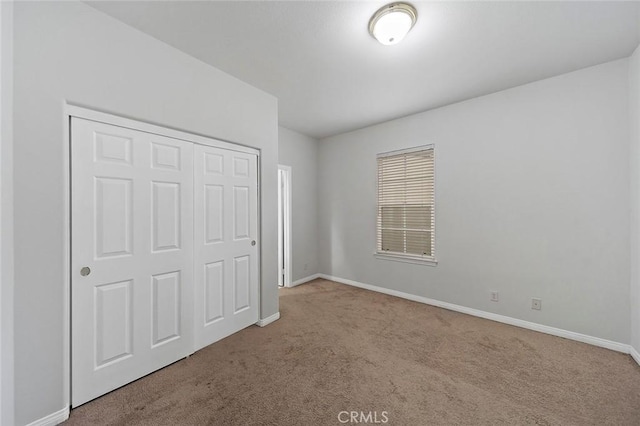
(132, 215)
(226, 247)
(284, 226)
(280, 228)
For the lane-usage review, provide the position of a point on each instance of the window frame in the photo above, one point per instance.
(397, 256)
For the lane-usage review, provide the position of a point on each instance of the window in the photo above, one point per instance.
(406, 214)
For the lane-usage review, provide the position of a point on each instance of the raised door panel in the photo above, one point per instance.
(241, 215)
(213, 163)
(214, 292)
(241, 166)
(112, 148)
(166, 307)
(241, 283)
(113, 322)
(165, 156)
(113, 208)
(214, 213)
(167, 208)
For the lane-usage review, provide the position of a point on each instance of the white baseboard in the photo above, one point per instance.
(268, 320)
(634, 354)
(305, 280)
(596, 341)
(52, 419)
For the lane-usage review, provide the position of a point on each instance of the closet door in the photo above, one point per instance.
(226, 246)
(132, 255)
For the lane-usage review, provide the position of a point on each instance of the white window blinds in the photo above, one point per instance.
(406, 214)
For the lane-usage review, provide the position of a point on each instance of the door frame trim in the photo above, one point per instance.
(78, 111)
(71, 110)
(287, 239)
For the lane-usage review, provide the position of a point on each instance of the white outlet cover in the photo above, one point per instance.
(536, 304)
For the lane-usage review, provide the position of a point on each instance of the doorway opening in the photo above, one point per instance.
(284, 226)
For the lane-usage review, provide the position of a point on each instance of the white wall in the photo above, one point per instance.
(531, 200)
(68, 51)
(6, 213)
(634, 116)
(300, 152)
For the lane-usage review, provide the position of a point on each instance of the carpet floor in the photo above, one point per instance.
(337, 348)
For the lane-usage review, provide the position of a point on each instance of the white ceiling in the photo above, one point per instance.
(331, 76)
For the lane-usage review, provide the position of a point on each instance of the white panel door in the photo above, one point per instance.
(132, 255)
(226, 246)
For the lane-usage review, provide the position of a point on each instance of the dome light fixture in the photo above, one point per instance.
(391, 23)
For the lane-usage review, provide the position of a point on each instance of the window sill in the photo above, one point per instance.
(406, 259)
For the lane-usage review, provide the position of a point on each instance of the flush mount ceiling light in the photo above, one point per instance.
(392, 22)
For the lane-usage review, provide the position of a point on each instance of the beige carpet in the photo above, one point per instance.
(338, 348)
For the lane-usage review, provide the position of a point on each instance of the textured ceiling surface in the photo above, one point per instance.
(331, 76)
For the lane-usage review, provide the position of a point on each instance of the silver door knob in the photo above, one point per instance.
(253, 243)
(85, 271)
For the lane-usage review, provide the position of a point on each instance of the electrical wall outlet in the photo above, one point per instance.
(494, 296)
(536, 304)
(306, 266)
